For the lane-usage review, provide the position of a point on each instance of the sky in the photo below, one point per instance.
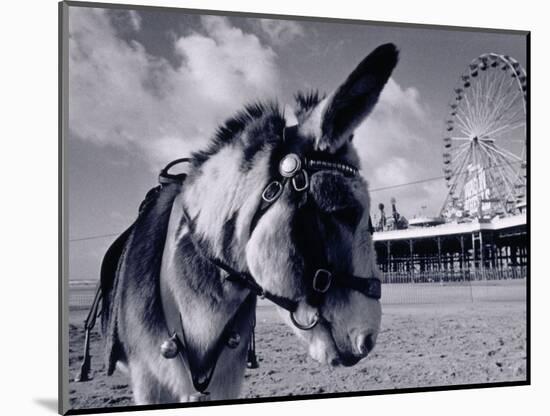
(149, 86)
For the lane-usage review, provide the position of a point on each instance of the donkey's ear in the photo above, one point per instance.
(356, 97)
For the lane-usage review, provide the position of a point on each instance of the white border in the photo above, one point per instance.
(29, 204)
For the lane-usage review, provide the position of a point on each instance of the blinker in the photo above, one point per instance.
(289, 165)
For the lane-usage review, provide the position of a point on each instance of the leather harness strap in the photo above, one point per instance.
(242, 278)
(201, 369)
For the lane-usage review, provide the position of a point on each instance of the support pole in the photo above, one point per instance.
(481, 256)
(389, 256)
(411, 257)
(474, 251)
(462, 259)
(439, 257)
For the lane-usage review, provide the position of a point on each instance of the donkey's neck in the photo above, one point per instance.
(206, 302)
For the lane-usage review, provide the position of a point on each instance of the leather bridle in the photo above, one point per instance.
(293, 172)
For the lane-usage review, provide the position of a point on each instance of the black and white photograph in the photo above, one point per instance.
(263, 207)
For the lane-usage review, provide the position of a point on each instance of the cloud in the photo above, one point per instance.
(135, 20)
(281, 32)
(125, 21)
(389, 143)
(120, 95)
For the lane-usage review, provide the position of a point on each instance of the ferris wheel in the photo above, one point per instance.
(485, 140)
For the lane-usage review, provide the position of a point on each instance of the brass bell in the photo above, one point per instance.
(169, 348)
(233, 340)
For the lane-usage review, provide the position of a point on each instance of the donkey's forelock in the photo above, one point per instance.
(259, 120)
(258, 116)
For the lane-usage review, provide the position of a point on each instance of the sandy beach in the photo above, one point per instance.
(419, 345)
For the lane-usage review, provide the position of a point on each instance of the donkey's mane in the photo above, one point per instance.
(270, 111)
(229, 131)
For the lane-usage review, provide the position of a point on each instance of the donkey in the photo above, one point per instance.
(266, 210)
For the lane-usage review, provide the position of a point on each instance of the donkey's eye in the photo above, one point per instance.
(350, 138)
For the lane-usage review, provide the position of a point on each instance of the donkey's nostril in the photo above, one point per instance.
(370, 342)
(365, 343)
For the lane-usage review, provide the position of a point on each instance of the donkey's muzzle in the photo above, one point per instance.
(364, 343)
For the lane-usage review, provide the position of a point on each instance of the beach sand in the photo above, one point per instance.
(418, 346)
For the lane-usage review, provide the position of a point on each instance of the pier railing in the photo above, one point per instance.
(453, 276)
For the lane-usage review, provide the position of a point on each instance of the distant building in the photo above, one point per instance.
(430, 249)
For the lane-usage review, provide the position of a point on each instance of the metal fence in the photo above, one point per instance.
(81, 296)
(414, 288)
(455, 286)
(454, 276)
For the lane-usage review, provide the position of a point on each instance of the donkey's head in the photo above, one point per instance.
(287, 205)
